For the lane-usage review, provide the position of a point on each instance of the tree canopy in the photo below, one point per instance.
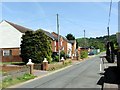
(36, 46)
(70, 37)
(98, 42)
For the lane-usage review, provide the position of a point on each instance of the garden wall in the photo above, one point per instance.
(16, 73)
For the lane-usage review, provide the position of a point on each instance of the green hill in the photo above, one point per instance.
(98, 42)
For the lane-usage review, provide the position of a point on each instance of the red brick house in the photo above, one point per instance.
(54, 40)
(69, 46)
(10, 40)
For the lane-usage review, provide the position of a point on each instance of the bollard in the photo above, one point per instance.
(31, 66)
(72, 56)
(62, 59)
(45, 64)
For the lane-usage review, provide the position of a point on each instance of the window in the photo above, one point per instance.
(55, 49)
(7, 52)
(61, 43)
(55, 43)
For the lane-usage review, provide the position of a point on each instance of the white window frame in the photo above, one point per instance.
(54, 43)
(55, 49)
(6, 53)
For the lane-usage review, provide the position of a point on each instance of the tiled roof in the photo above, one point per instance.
(48, 34)
(18, 27)
(60, 36)
(72, 41)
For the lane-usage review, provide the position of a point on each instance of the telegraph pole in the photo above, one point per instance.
(84, 39)
(58, 36)
(108, 33)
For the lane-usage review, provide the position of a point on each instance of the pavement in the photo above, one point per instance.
(111, 75)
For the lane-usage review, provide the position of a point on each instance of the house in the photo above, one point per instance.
(73, 44)
(54, 40)
(69, 47)
(10, 40)
(62, 43)
(10, 35)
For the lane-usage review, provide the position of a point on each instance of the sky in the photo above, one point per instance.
(74, 17)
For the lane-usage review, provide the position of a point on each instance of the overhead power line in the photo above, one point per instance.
(72, 22)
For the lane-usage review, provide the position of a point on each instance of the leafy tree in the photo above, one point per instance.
(98, 42)
(70, 37)
(36, 46)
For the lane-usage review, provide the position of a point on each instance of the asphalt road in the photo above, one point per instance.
(82, 75)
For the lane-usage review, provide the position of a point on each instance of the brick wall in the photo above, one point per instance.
(65, 46)
(15, 57)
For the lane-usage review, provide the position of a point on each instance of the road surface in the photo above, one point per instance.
(82, 75)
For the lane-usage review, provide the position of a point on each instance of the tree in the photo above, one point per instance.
(36, 46)
(70, 37)
(98, 42)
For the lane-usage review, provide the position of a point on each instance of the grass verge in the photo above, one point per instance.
(9, 81)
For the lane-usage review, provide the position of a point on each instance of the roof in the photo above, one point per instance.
(72, 41)
(60, 36)
(19, 27)
(48, 34)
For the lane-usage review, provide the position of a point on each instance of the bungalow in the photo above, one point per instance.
(10, 35)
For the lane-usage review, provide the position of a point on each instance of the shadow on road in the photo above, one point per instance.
(110, 76)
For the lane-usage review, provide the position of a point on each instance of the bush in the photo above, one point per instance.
(49, 59)
(36, 46)
(56, 58)
(83, 54)
(62, 54)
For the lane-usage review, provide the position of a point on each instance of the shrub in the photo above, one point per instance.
(62, 54)
(83, 54)
(56, 58)
(49, 59)
(36, 46)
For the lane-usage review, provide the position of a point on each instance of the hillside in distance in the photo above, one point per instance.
(98, 42)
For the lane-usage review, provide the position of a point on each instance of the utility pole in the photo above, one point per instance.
(58, 36)
(108, 33)
(84, 39)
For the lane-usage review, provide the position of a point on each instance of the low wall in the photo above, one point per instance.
(38, 67)
(16, 73)
(11, 59)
